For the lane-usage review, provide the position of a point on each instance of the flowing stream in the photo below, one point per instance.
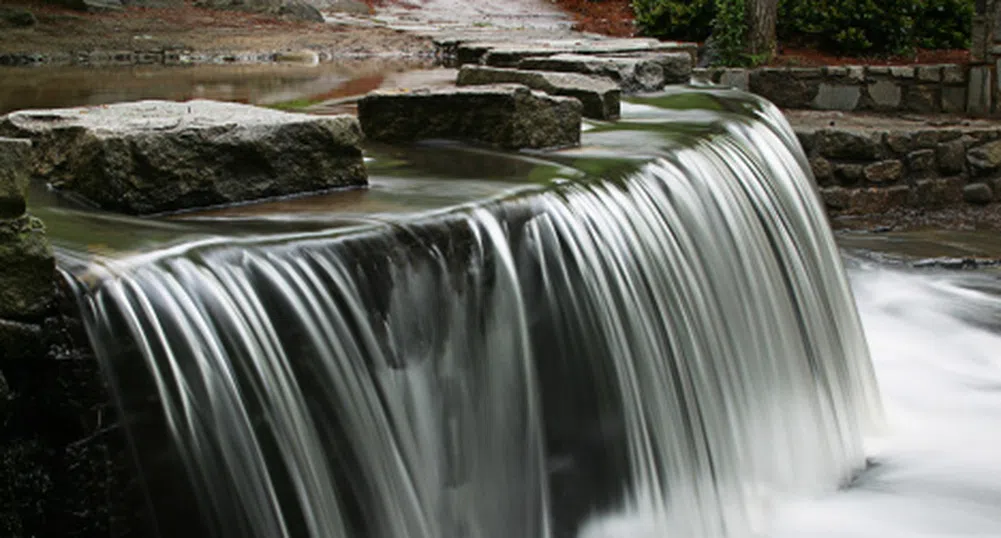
(658, 338)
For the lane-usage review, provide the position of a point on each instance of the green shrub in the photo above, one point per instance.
(848, 27)
(944, 24)
(689, 20)
(730, 33)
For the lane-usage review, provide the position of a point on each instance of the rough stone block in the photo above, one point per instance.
(887, 171)
(783, 88)
(978, 193)
(920, 163)
(835, 198)
(736, 78)
(979, 91)
(508, 116)
(885, 94)
(642, 73)
(677, 66)
(27, 269)
(15, 172)
(954, 99)
(822, 170)
(835, 71)
(922, 98)
(838, 144)
(599, 96)
(878, 199)
(848, 174)
(984, 159)
(899, 142)
(936, 193)
(508, 54)
(157, 156)
(806, 72)
(837, 97)
(951, 156)
(902, 72)
(929, 73)
(856, 73)
(953, 74)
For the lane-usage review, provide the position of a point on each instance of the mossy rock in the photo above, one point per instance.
(27, 269)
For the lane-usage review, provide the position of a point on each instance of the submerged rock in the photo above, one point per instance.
(599, 96)
(158, 156)
(508, 116)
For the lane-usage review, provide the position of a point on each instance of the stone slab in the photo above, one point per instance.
(599, 96)
(635, 75)
(837, 97)
(159, 156)
(509, 116)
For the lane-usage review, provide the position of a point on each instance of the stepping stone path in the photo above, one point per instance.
(600, 97)
(530, 42)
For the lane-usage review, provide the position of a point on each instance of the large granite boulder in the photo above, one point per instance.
(635, 73)
(599, 96)
(509, 116)
(159, 156)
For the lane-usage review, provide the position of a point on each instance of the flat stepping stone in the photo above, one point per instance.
(509, 54)
(509, 116)
(159, 156)
(646, 72)
(599, 96)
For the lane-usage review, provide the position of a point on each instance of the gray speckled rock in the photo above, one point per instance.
(636, 73)
(508, 116)
(599, 96)
(159, 156)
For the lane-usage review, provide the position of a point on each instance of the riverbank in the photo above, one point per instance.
(188, 35)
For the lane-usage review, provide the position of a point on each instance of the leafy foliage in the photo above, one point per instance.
(689, 20)
(850, 27)
(730, 32)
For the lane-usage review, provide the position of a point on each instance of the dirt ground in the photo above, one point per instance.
(195, 29)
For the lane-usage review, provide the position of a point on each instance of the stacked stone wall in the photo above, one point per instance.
(63, 465)
(921, 89)
(869, 172)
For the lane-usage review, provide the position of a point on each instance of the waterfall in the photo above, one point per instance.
(658, 354)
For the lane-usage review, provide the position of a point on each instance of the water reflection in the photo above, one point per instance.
(51, 87)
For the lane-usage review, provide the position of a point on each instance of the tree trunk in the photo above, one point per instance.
(761, 17)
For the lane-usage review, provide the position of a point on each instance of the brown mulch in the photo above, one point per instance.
(608, 17)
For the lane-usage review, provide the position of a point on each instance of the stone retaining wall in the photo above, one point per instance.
(867, 172)
(63, 464)
(924, 88)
